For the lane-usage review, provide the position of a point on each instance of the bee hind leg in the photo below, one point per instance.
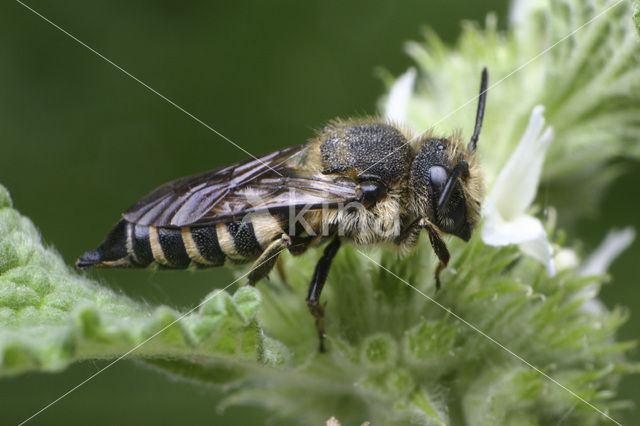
(263, 265)
(315, 288)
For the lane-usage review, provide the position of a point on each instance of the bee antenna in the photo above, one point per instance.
(482, 100)
(462, 168)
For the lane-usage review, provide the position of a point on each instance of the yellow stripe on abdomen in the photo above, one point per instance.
(266, 228)
(156, 248)
(226, 242)
(192, 248)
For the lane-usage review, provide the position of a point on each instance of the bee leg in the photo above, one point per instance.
(315, 288)
(439, 247)
(267, 259)
(409, 238)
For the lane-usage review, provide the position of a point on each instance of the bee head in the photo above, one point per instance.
(445, 179)
(446, 186)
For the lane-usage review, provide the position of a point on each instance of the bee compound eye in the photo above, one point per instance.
(438, 176)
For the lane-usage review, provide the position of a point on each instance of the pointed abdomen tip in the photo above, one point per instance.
(89, 259)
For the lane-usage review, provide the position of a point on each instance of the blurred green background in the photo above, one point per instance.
(81, 141)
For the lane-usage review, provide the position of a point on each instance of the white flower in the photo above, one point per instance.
(507, 221)
(614, 243)
(398, 100)
(598, 263)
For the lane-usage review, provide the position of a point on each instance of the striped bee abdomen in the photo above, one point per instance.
(170, 247)
(137, 246)
(245, 243)
(203, 246)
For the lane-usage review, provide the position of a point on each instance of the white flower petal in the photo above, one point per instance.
(541, 250)
(597, 264)
(399, 96)
(527, 232)
(514, 191)
(497, 232)
(614, 243)
(516, 185)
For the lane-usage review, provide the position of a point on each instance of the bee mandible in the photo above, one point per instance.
(358, 181)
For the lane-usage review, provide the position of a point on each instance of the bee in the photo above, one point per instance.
(358, 181)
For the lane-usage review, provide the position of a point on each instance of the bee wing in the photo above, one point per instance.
(277, 181)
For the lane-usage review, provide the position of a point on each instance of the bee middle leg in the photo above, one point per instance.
(263, 265)
(315, 288)
(410, 236)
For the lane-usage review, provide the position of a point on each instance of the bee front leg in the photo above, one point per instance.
(410, 235)
(267, 259)
(315, 288)
(440, 248)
